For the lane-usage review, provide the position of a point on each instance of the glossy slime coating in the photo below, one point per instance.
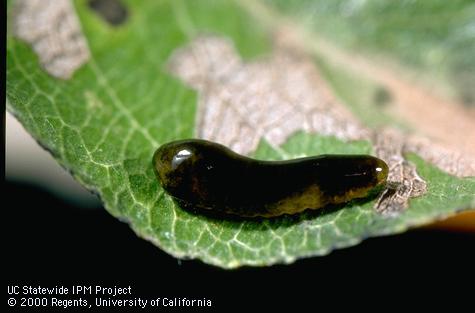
(206, 175)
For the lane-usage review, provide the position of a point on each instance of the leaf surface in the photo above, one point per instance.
(104, 124)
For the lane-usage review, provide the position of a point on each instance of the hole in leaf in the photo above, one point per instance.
(112, 11)
(382, 96)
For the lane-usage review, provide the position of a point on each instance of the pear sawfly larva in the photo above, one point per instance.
(205, 175)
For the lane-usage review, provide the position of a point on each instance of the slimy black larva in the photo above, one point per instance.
(206, 175)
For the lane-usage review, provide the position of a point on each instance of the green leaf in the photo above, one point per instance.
(104, 124)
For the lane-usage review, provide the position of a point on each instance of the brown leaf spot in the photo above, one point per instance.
(450, 161)
(240, 103)
(53, 30)
(403, 180)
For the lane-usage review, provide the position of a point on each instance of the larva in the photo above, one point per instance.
(206, 175)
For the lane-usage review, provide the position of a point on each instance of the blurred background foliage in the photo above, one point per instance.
(436, 37)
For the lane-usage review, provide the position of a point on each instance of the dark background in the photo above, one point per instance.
(50, 243)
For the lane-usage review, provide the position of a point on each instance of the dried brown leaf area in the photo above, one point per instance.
(242, 102)
(403, 180)
(52, 28)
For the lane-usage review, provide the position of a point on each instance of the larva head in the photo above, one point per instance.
(182, 167)
(353, 176)
(172, 163)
